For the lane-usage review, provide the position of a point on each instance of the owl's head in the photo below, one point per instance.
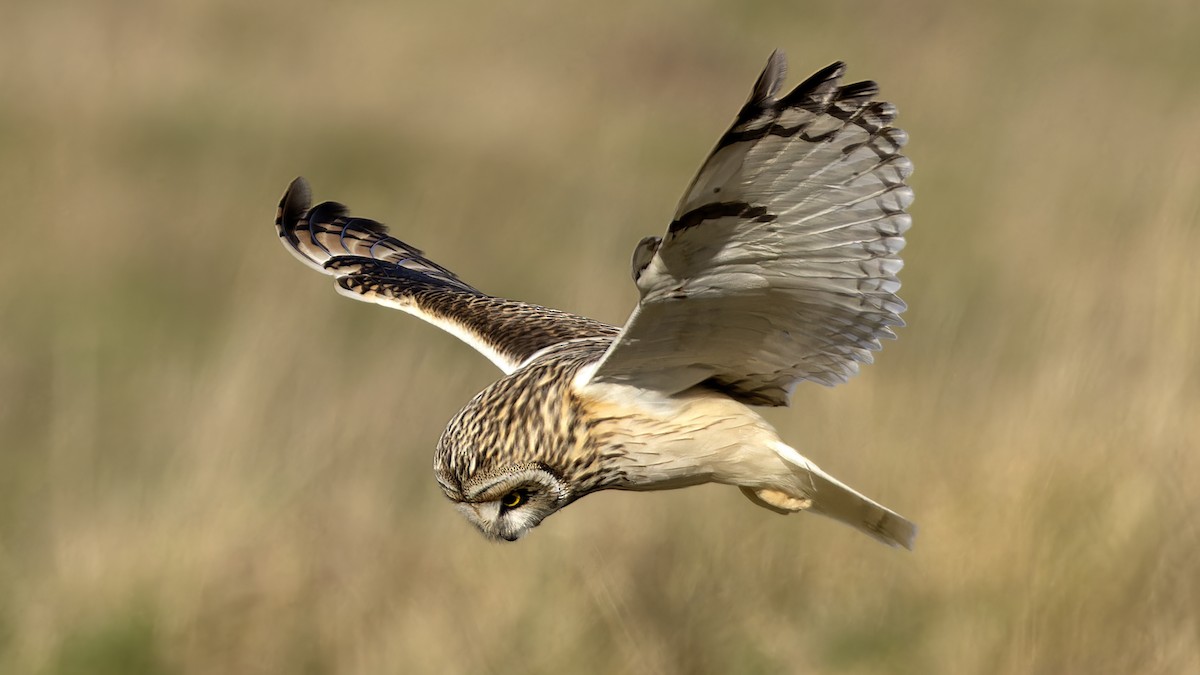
(507, 503)
(518, 452)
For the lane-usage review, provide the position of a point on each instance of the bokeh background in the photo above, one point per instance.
(211, 463)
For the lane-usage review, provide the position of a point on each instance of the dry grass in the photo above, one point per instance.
(211, 463)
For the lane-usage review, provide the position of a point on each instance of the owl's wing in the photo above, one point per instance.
(780, 264)
(370, 265)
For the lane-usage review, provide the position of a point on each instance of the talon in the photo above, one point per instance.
(782, 500)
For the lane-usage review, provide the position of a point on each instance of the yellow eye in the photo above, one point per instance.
(512, 499)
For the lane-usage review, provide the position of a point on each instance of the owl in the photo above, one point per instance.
(779, 266)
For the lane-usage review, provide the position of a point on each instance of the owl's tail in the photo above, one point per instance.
(833, 498)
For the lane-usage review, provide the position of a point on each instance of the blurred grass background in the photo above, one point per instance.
(211, 463)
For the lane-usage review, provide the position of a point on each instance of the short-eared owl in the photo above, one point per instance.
(779, 266)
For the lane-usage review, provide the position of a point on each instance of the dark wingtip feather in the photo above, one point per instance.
(327, 212)
(858, 90)
(771, 79)
(295, 202)
(819, 87)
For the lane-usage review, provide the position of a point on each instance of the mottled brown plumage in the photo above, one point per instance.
(533, 416)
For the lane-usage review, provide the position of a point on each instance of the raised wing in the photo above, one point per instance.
(780, 264)
(372, 266)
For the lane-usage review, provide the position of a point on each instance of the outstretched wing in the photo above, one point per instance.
(780, 264)
(372, 266)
